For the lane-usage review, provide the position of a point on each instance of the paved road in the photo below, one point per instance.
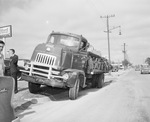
(126, 99)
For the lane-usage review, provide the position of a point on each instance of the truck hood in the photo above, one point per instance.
(44, 52)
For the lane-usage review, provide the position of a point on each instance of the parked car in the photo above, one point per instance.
(115, 68)
(137, 68)
(145, 69)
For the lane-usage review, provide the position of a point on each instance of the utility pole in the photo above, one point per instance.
(108, 31)
(124, 50)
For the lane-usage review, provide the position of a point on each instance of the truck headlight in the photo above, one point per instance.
(26, 67)
(48, 49)
(66, 76)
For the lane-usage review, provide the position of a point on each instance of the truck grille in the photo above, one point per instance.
(45, 59)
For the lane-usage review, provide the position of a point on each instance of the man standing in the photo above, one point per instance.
(2, 67)
(14, 67)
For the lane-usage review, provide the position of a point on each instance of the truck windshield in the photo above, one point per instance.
(65, 40)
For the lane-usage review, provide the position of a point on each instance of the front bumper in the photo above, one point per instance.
(43, 81)
(50, 82)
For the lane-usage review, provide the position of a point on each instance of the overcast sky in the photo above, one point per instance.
(33, 20)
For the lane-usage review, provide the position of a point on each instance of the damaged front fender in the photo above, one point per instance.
(72, 79)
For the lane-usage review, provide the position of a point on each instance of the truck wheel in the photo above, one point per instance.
(74, 91)
(100, 81)
(33, 87)
(94, 81)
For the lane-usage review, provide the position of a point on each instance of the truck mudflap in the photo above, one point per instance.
(43, 81)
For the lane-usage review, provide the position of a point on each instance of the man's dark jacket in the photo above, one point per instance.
(13, 64)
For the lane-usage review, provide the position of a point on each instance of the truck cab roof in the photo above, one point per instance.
(70, 40)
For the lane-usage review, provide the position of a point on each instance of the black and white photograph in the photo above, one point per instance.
(74, 61)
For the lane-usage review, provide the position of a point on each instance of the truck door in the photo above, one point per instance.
(80, 57)
(79, 60)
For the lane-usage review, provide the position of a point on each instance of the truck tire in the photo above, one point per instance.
(33, 87)
(74, 91)
(100, 81)
(94, 81)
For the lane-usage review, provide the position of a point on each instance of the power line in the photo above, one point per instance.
(93, 6)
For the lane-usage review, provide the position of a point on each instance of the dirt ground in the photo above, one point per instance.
(124, 98)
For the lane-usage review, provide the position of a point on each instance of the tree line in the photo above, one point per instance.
(147, 60)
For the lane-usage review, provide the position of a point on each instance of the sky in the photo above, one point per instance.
(33, 20)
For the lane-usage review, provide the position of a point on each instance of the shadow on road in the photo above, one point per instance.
(89, 90)
(24, 106)
(55, 94)
(108, 83)
(24, 114)
(59, 94)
